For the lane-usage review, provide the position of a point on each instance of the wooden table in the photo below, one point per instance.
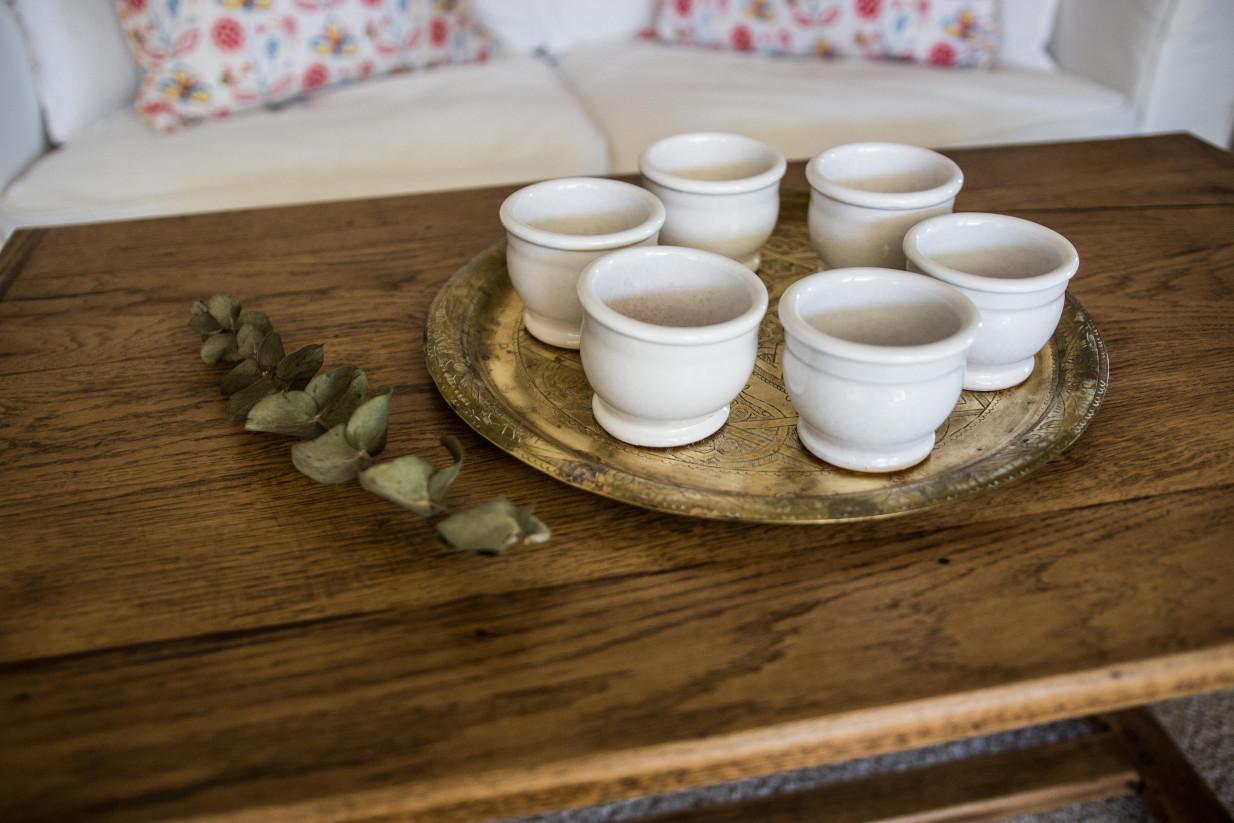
(191, 628)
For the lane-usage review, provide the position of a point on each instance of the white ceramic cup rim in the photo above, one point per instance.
(583, 242)
(920, 234)
(596, 308)
(958, 341)
(777, 165)
(920, 199)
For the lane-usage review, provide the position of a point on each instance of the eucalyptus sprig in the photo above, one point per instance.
(342, 431)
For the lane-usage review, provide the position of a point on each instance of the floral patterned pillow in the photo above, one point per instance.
(208, 58)
(940, 32)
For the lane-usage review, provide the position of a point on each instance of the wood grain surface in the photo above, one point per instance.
(190, 629)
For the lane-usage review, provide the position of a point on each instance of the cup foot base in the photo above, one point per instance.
(993, 378)
(861, 459)
(549, 331)
(639, 431)
(752, 261)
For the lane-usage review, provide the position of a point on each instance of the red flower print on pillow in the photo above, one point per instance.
(743, 39)
(156, 108)
(942, 54)
(227, 35)
(869, 9)
(438, 31)
(315, 77)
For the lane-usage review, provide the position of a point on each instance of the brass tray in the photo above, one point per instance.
(533, 401)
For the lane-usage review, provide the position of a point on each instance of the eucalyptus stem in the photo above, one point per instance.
(342, 430)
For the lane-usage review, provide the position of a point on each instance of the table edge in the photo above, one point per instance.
(682, 765)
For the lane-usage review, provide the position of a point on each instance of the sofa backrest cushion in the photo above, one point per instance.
(554, 27)
(83, 69)
(21, 126)
(1027, 28)
(204, 59)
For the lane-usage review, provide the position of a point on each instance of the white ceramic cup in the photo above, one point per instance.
(669, 340)
(864, 197)
(873, 362)
(721, 192)
(554, 229)
(1015, 271)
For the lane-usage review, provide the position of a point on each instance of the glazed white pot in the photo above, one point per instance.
(721, 192)
(873, 362)
(669, 340)
(554, 229)
(864, 197)
(1014, 270)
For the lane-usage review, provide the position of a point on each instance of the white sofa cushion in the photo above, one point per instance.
(83, 67)
(640, 92)
(554, 27)
(1027, 27)
(434, 129)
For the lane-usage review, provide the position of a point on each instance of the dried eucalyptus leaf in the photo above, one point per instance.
(242, 402)
(329, 458)
(245, 374)
(225, 309)
(256, 320)
(404, 481)
(204, 324)
(338, 394)
(534, 530)
(326, 387)
(439, 483)
(297, 369)
(270, 352)
(293, 414)
(489, 528)
(219, 347)
(366, 430)
(249, 338)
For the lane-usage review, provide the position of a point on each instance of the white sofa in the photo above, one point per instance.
(574, 92)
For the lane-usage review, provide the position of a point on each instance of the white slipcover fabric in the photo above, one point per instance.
(21, 133)
(1027, 26)
(554, 27)
(415, 132)
(639, 92)
(1173, 58)
(83, 67)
